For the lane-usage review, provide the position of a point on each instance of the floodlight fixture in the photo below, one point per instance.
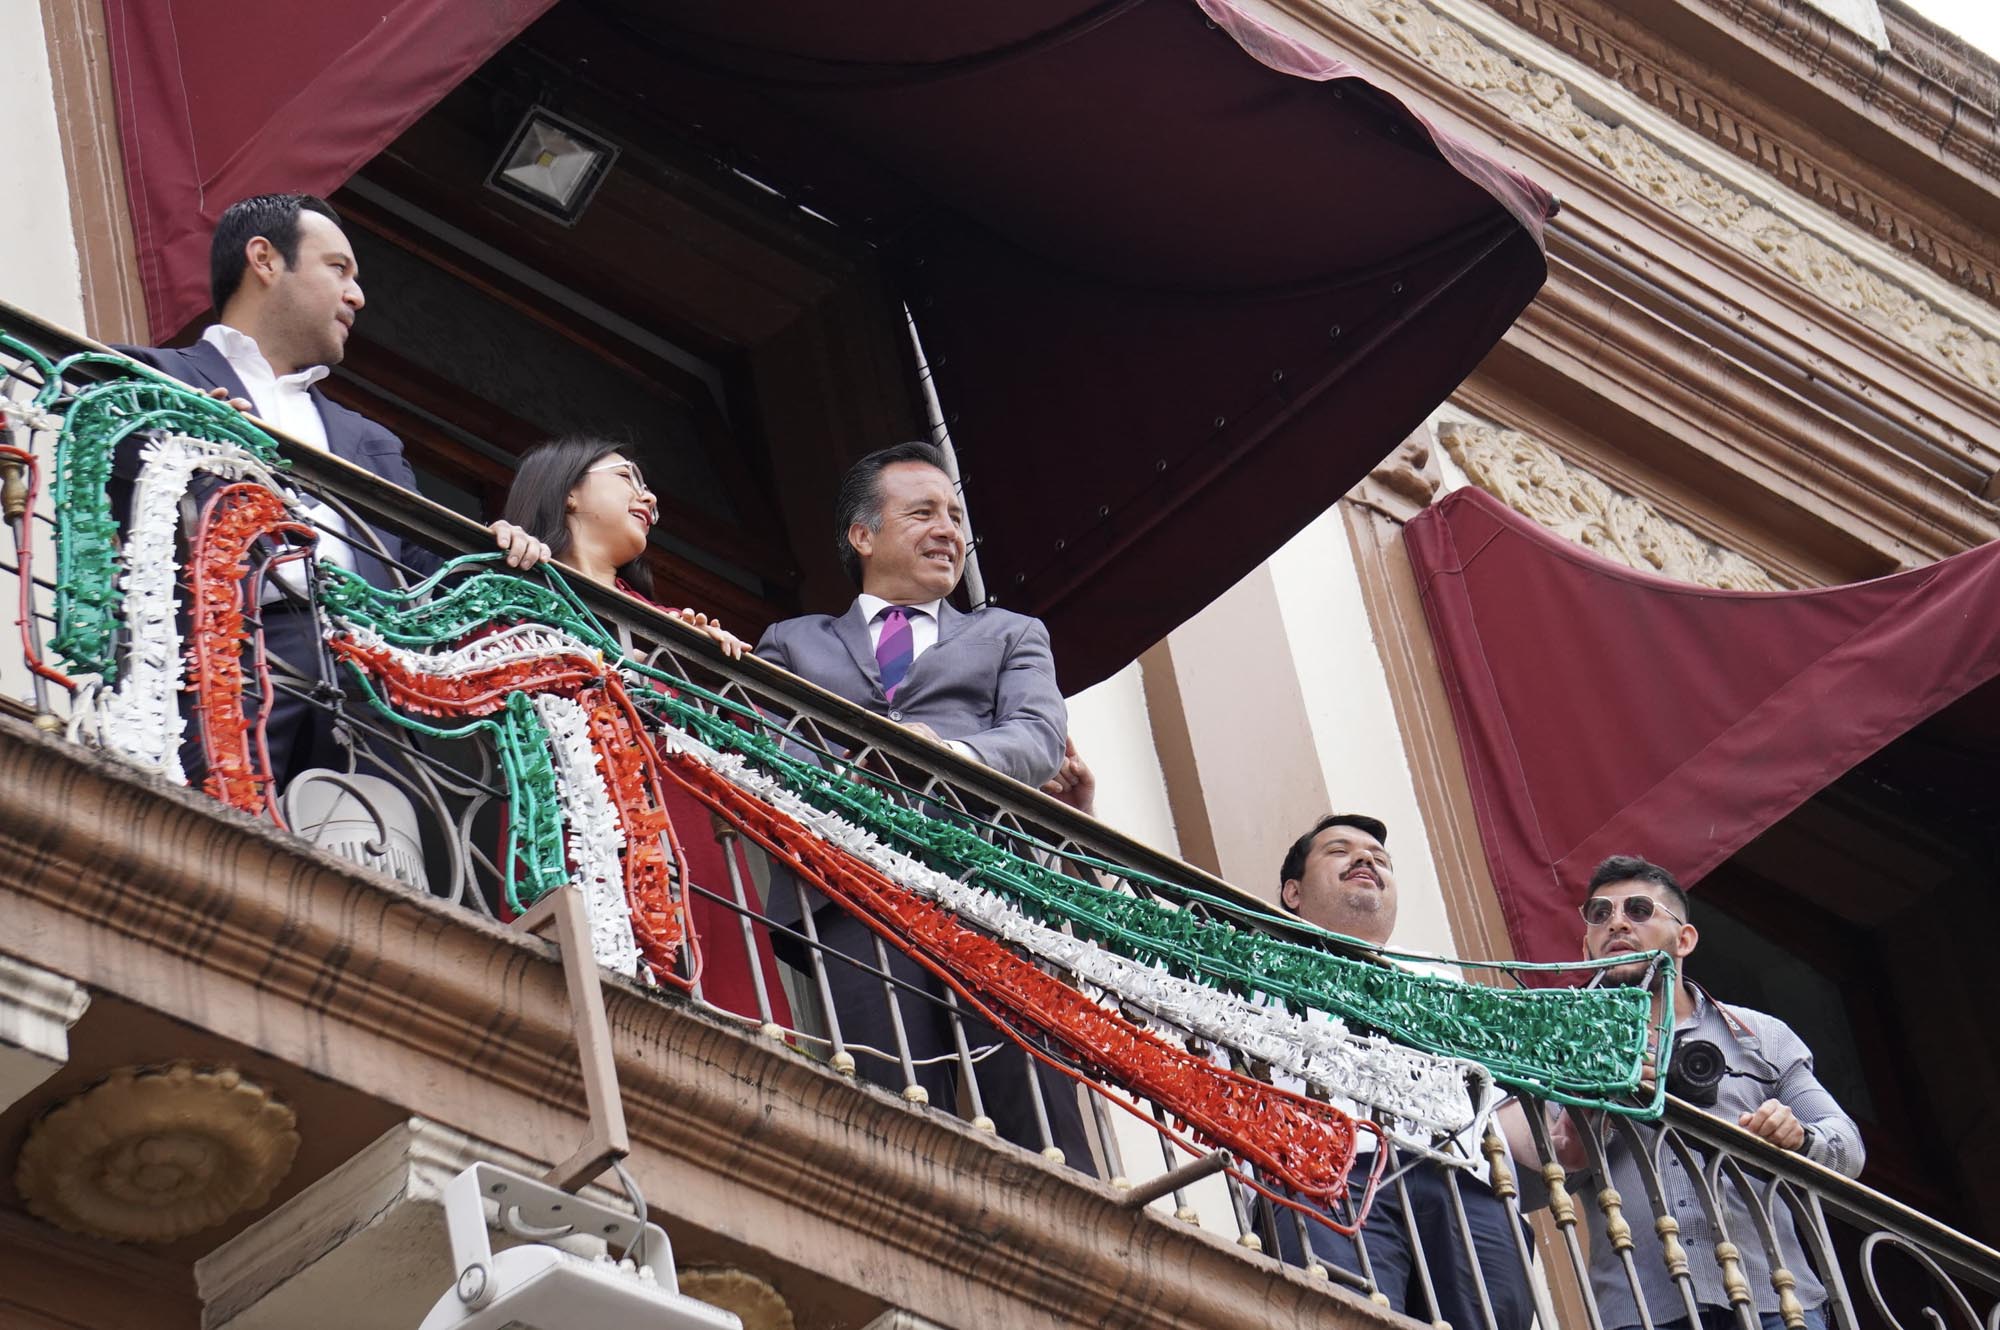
(552, 165)
(631, 1286)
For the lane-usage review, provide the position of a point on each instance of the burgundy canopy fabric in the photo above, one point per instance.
(218, 101)
(1182, 281)
(1603, 711)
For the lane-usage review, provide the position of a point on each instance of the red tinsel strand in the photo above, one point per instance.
(25, 573)
(233, 519)
(1305, 1144)
(631, 771)
(631, 774)
(476, 693)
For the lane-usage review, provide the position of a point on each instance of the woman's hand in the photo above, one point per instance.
(732, 645)
(523, 551)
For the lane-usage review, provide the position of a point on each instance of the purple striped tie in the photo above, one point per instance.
(894, 649)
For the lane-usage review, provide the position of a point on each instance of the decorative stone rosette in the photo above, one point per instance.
(759, 1305)
(152, 1154)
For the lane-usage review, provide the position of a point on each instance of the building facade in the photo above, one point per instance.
(1767, 358)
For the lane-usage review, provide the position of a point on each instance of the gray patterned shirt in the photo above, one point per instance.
(1770, 1062)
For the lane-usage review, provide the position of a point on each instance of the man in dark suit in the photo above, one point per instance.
(983, 684)
(286, 288)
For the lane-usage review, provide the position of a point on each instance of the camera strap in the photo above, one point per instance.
(1737, 1026)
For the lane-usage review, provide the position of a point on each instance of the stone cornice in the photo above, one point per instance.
(162, 897)
(1795, 155)
(1897, 85)
(1499, 85)
(1660, 413)
(1831, 368)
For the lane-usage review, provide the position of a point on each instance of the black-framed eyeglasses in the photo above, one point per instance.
(1597, 911)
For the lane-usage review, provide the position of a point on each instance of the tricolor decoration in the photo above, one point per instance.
(1415, 1090)
(1114, 981)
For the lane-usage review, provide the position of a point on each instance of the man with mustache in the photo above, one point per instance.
(287, 290)
(1768, 1088)
(1339, 876)
(982, 683)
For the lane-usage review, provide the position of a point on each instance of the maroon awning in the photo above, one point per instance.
(220, 101)
(1604, 711)
(1183, 282)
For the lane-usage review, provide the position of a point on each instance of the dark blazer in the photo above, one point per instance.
(988, 682)
(350, 436)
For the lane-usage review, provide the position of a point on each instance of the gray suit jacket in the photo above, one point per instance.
(989, 681)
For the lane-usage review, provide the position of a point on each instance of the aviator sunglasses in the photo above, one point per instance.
(1597, 911)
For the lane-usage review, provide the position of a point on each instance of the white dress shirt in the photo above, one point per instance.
(923, 636)
(286, 402)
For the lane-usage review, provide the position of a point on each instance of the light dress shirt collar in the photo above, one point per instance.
(286, 402)
(282, 400)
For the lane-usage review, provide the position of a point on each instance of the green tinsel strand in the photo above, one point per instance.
(534, 813)
(453, 613)
(1575, 1046)
(98, 418)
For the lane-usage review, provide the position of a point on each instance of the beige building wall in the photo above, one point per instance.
(41, 272)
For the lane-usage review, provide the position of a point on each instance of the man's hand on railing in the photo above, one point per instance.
(247, 407)
(1776, 1123)
(1566, 1137)
(1073, 783)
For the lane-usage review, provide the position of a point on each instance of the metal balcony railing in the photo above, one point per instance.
(433, 810)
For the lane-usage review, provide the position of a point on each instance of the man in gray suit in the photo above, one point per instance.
(983, 684)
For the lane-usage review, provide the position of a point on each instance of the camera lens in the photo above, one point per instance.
(1696, 1072)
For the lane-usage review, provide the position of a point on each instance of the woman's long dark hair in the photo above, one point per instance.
(538, 502)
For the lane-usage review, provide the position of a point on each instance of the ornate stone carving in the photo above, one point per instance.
(1531, 479)
(152, 1154)
(752, 1299)
(1789, 163)
(1542, 103)
(1403, 483)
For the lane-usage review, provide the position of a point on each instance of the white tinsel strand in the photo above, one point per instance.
(141, 720)
(595, 840)
(26, 413)
(520, 642)
(1425, 1093)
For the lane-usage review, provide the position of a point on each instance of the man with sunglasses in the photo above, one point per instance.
(1767, 1088)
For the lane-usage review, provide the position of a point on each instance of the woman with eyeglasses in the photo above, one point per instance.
(591, 505)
